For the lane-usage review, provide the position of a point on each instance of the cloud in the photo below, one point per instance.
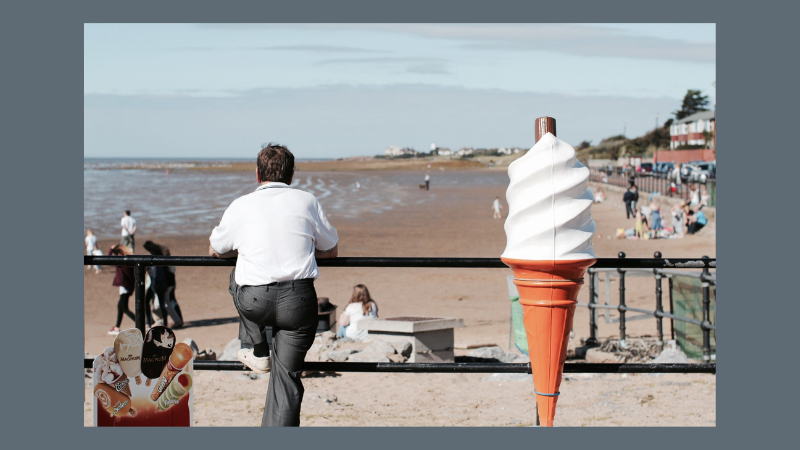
(379, 60)
(422, 66)
(575, 39)
(316, 48)
(429, 68)
(320, 48)
(342, 120)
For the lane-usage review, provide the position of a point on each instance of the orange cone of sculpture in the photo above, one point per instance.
(548, 293)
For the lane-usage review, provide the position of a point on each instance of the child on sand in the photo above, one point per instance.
(496, 206)
(655, 219)
(639, 227)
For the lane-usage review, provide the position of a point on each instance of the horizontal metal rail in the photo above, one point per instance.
(348, 261)
(655, 314)
(462, 367)
(712, 277)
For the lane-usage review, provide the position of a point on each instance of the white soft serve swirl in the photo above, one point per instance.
(549, 205)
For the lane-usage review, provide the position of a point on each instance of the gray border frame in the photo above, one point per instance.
(43, 79)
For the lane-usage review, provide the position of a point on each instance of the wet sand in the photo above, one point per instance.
(456, 222)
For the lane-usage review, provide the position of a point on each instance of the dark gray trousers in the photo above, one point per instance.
(290, 308)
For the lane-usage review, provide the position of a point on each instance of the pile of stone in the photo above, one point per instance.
(493, 354)
(327, 347)
(635, 350)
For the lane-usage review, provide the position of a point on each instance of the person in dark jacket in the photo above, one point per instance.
(124, 279)
(628, 199)
(162, 282)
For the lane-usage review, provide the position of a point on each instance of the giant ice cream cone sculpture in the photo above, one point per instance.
(549, 230)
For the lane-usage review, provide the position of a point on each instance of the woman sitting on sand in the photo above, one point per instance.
(361, 306)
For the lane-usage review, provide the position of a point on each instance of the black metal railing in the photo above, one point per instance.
(460, 367)
(657, 264)
(707, 279)
(655, 182)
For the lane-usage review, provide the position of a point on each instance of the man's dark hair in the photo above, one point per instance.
(275, 163)
(127, 212)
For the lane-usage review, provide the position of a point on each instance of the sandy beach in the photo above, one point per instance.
(457, 222)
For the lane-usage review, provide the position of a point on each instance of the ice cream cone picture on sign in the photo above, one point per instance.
(116, 403)
(128, 346)
(157, 348)
(107, 369)
(111, 384)
(181, 356)
(549, 233)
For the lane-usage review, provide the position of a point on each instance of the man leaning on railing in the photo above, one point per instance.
(277, 233)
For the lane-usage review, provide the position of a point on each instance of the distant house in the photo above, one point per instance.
(444, 152)
(465, 151)
(394, 151)
(689, 130)
(504, 151)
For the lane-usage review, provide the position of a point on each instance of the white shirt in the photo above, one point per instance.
(427, 177)
(677, 174)
(276, 230)
(356, 313)
(496, 205)
(91, 243)
(695, 195)
(127, 223)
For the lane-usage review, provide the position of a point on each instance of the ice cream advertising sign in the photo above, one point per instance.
(143, 381)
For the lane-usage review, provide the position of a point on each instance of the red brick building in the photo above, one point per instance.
(690, 130)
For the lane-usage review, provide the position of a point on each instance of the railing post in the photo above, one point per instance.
(621, 307)
(659, 307)
(706, 314)
(671, 320)
(138, 310)
(592, 341)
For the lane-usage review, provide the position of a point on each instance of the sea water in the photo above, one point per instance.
(189, 202)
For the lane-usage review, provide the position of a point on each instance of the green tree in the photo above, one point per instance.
(693, 102)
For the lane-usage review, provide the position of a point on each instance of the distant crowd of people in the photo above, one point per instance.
(687, 217)
(159, 280)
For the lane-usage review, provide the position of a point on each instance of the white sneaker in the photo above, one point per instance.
(258, 365)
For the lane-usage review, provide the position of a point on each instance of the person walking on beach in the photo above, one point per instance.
(123, 278)
(91, 246)
(628, 199)
(277, 233)
(496, 206)
(635, 202)
(128, 230)
(427, 182)
(163, 285)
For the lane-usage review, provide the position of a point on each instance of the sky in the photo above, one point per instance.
(337, 90)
